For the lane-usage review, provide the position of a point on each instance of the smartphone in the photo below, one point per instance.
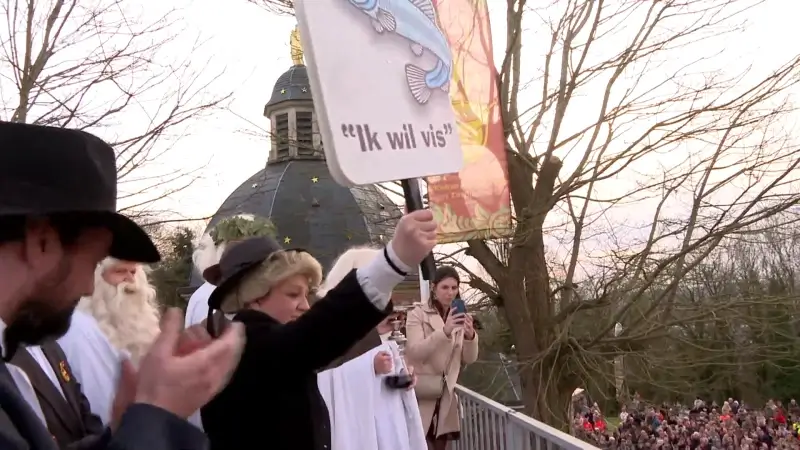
(458, 306)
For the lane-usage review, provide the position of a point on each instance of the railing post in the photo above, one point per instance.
(510, 436)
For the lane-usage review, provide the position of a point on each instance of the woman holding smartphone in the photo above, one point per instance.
(441, 338)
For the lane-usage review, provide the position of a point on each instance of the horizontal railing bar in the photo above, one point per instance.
(472, 401)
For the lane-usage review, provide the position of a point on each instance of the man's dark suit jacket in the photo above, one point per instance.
(143, 427)
(69, 417)
(273, 400)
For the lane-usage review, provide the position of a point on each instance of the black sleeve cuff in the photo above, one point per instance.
(152, 428)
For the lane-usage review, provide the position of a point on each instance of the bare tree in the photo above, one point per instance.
(281, 7)
(97, 66)
(606, 226)
(607, 230)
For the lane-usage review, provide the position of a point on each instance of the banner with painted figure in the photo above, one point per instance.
(474, 203)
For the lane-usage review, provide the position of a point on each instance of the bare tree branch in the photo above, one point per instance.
(630, 167)
(96, 67)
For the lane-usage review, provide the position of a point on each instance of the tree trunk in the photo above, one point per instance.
(547, 397)
(526, 293)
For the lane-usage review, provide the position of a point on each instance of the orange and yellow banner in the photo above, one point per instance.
(474, 203)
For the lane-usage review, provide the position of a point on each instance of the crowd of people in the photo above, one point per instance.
(261, 360)
(701, 425)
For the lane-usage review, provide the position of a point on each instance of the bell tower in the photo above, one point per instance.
(293, 126)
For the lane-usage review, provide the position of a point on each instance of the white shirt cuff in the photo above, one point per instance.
(378, 279)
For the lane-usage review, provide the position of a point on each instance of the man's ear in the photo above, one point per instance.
(41, 238)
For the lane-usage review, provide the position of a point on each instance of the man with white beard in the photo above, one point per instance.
(124, 305)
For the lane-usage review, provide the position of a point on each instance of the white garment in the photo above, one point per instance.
(365, 414)
(38, 355)
(197, 309)
(95, 363)
(196, 312)
(398, 419)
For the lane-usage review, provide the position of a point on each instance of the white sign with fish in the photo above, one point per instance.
(380, 74)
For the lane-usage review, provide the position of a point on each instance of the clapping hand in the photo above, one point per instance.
(184, 370)
(126, 392)
(192, 339)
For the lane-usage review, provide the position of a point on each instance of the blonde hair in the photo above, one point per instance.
(351, 259)
(260, 281)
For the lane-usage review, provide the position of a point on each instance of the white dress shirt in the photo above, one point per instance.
(95, 363)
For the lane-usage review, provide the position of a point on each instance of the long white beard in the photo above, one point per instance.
(127, 315)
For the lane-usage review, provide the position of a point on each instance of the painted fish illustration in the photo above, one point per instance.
(415, 20)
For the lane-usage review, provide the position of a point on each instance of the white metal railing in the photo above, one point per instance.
(488, 425)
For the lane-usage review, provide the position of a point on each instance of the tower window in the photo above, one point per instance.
(281, 135)
(305, 132)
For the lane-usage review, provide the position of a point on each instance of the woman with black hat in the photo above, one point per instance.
(273, 400)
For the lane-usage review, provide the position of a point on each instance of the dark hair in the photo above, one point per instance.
(444, 272)
(68, 225)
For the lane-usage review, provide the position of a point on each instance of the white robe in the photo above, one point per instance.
(197, 309)
(365, 414)
(95, 363)
(196, 312)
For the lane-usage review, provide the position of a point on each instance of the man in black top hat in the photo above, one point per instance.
(58, 220)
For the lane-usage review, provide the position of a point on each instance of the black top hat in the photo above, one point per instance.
(236, 262)
(46, 171)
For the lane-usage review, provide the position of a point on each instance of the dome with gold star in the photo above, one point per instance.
(295, 190)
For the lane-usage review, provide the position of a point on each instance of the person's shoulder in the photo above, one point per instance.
(84, 330)
(82, 325)
(419, 310)
(202, 293)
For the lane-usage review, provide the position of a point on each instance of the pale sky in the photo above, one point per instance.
(251, 47)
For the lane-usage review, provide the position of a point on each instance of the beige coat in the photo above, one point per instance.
(427, 350)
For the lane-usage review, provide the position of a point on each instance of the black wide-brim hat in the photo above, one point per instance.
(71, 174)
(237, 261)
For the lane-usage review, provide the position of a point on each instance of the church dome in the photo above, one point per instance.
(311, 211)
(292, 85)
(296, 191)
